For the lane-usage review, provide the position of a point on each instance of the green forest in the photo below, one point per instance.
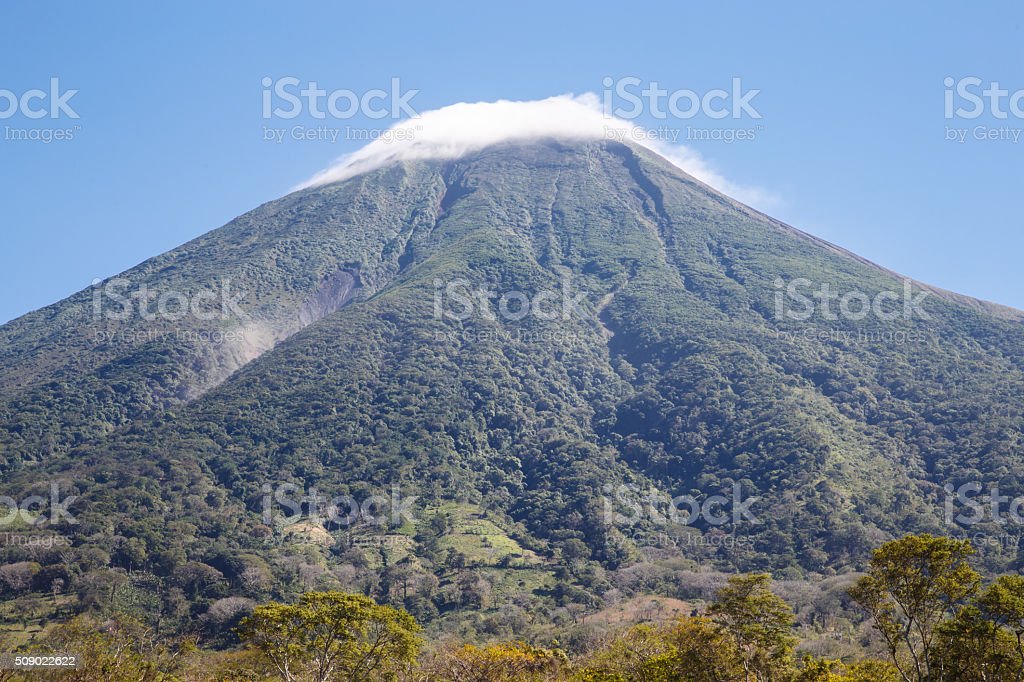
(494, 493)
(925, 615)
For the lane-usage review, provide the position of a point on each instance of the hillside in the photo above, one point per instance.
(374, 348)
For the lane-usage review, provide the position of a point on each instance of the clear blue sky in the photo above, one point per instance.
(169, 140)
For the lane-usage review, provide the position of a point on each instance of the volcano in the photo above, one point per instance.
(516, 356)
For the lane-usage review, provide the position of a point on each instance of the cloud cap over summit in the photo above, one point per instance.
(466, 127)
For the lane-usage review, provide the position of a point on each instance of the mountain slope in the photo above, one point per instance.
(663, 354)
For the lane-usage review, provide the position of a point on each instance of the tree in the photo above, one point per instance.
(759, 622)
(970, 647)
(474, 590)
(870, 670)
(699, 650)
(195, 578)
(229, 609)
(626, 655)
(116, 650)
(1002, 604)
(912, 585)
(510, 662)
(18, 576)
(332, 633)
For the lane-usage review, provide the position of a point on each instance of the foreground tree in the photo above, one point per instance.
(759, 623)
(1003, 605)
(115, 650)
(694, 649)
(625, 655)
(510, 662)
(971, 647)
(697, 650)
(332, 634)
(870, 671)
(914, 584)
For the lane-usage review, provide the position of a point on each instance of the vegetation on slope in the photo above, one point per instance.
(520, 443)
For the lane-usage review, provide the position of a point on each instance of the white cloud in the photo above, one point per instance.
(460, 129)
